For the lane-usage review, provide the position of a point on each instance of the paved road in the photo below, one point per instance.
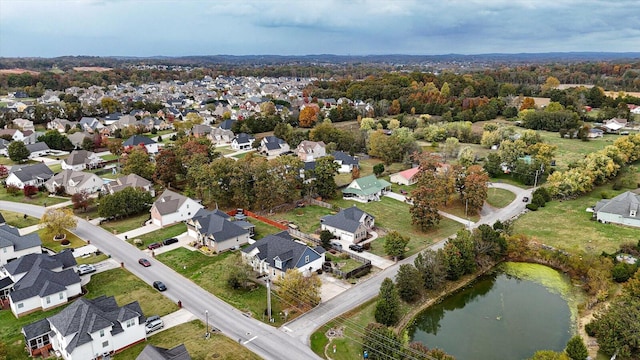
(302, 327)
(262, 339)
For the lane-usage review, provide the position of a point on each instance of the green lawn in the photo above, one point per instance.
(123, 225)
(109, 157)
(345, 264)
(241, 156)
(499, 198)
(307, 218)
(160, 234)
(191, 334)
(49, 243)
(18, 219)
(457, 207)
(40, 198)
(210, 273)
(262, 229)
(225, 150)
(91, 259)
(572, 150)
(56, 168)
(568, 226)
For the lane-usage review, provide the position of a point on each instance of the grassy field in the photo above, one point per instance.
(457, 207)
(210, 272)
(123, 225)
(40, 198)
(191, 335)
(109, 157)
(262, 229)
(500, 198)
(126, 288)
(49, 243)
(160, 234)
(307, 218)
(567, 225)
(91, 258)
(18, 220)
(225, 150)
(572, 150)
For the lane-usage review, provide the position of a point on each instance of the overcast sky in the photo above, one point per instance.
(49, 28)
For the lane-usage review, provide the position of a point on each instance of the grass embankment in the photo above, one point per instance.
(191, 334)
(499, 198)
(211, 273)
(19, 220)
(120, 226)
(40, 198)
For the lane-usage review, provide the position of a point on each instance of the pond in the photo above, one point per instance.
(509, 314)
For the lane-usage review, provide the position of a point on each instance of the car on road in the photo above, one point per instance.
(169, 241)
(153, 323)
(159, 285)
(525, 199)
(356, 247)
(144, 262)
(154, 245)
(85, 269)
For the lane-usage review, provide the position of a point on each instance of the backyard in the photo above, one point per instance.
(191, 334)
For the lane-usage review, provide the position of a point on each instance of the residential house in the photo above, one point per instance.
(38, 149)
(131, 180)
(311, 150)
(366, 189)
(90, 124)
(200, 130)
(595, 133)
(42, 282)
(623, 209)
(242, 141)
(614, 125)
(220, 136)
(227, 124)
(405, 177)
(24, 124)
(347, 162)
(172, 207)
(13, 245)
(215, 230)
(277, 253)
(21, 175)
(272, 146)
(152, 352)
(61, 125)
(149, 144)
(80, 160)
(350, 224)
(4, 147)
(26, 136)
(78, 138)
(74, 182)
(87, 329)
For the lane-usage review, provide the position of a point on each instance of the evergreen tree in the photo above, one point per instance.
(576, 348)
(388, 307)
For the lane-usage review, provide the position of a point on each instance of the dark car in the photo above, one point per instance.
(144, 262)
(159, 285)
(525, 199)
(169, 241)
(154, 245)
(356, 247)
(403, 192)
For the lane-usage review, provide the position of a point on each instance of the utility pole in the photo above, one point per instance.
(269, 298)
(206, 314)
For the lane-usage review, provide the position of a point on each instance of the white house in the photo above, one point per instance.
(366, 189)
(272, 146)
(74, 182)
(149, 144)
(172, 207)
(22, 175)
(80, 160)
(131, 180)
(406, 177)
(38, 149)
(13, 245)
(216, 230)
(220, 136)
(87, 329)
(347, 162)
(242, 141)
(42, 282)
(350, 224)
(623, 209)
(275, 254)
(311, 150)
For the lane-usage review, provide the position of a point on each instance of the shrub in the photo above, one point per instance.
(590, 329)
(13, 190)
(544, 193)
(538, 200)
(65, 242)
(621, 272)
(532, 207)
(617, 185)
(605, 195)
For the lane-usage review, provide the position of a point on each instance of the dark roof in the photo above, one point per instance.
(2, 220)
(42, 282)
(9, 236)
(77, 157)
(151, 352)
(136, 140)
(345, 158)
(39, 146)
(85, 317)
(216, 226)
(28, 262)
(243, 138)
(347, 219)
(309, 165)
(227, 124)
(5, 282)
(280, 245)
(36, 329)
(30, 172)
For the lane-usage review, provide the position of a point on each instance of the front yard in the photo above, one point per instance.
(40, 198)
(160, 234)
(49, 243)
(191, 334)
(120, 226)
(211, 273)
(19, 220)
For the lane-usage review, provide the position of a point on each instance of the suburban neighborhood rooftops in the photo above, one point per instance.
(9, 236)
(348, 219)
(136, 140)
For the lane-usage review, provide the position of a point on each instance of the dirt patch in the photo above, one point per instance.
(18, 71)
(92, 68)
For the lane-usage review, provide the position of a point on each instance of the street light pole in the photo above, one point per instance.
(206, 315)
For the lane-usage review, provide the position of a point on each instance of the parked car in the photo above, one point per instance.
(85, 269)
(159, 285)
(336, 245)
(154, 324)
(356, 247)
(144, 262)
(403, 192)
(154, 245)
(169, 241)
(152, 318)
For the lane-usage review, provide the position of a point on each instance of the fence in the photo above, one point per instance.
(364, 269)
(313, 201)
(260, 218)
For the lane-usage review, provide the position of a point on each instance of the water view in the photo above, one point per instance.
(509, 314)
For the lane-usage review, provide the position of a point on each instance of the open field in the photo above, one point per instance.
(500, 198)
(566, 225)
(160, 234)
(92, 68)
(262, 229)
(211, 272)
(572, 150)
(18, 71)
(307, 218)
(191, 335)
(19, 220)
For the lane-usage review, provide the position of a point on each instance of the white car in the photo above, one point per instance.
(154, 323)
(85, 269)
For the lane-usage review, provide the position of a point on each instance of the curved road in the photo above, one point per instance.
(303, 326)
(264, 340)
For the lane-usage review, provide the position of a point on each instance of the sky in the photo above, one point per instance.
(50, 28)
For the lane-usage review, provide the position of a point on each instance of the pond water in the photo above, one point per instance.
(509, 314)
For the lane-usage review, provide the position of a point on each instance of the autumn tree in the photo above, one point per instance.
(110, 105)
(29, 190)
(550, 83)
(409, 283)
(308, 116)
(267, 108)
(299, 291)
(394, 109)
(81, 200)
(395, 244)
(56, 221)
(528, 103)
(4, 172)
(167, 167)
(451, 147)
(114, 146)
(387, 310)
(189, 121)
(428, 195)
(137, 162)
(476, 189)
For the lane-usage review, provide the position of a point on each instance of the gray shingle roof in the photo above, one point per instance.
(345, 158)
(27, 262)
(78, 157)
(217, 226)
(280, 246)
(169, 202)
(36, 329)
(347, 219)
(227, 124)
(30, 172)
(621, 205)
(243, 138)
(39, 146)
(9, 236)
(131, 180)
(151, 352)
(43, 282)
(136, 140)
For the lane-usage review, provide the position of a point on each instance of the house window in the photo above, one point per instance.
(48, 300)
(20, 305)
(105, 343)
(61, 296)
(279, 264)
(306, 259)
(101, 333)
(4, 250)
(633, 213)
(131, 322)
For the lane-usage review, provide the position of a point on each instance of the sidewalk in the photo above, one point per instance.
(132, 234)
